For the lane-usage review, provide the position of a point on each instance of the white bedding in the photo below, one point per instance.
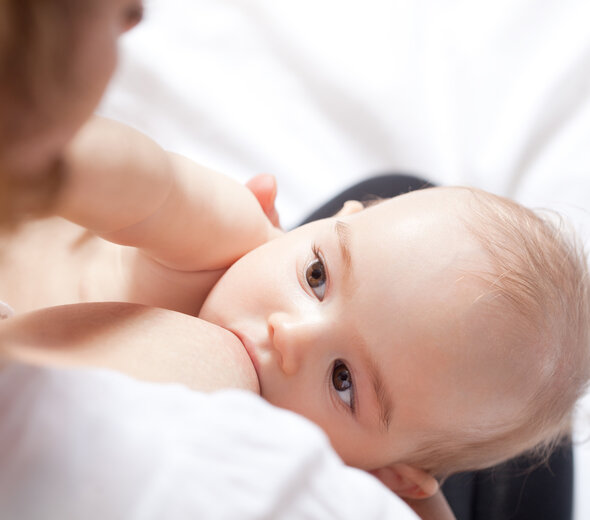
(324, 92)
(97, 445)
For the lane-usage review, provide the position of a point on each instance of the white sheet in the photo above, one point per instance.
(96, 445)
(322, 93)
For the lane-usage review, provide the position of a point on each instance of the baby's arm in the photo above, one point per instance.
(124, 187)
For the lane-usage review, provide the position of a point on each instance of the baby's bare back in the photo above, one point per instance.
(53, 262)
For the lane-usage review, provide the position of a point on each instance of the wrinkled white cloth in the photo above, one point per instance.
(494, 94)
(97, 445)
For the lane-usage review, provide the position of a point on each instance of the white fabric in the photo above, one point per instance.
(97, 445)
(494, 94)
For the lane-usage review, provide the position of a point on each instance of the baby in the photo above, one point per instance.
(446, 328)
(438, 331)
(434, 332)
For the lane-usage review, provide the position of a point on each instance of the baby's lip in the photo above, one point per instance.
(251, 350)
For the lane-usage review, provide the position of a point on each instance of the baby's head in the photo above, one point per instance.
(536, 308)
(56, 58)
(438, 331)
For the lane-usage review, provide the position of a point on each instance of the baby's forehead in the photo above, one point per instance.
(429, 201)
(446, 209)
(437, 197)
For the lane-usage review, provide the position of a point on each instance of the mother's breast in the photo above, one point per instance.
(146, 343)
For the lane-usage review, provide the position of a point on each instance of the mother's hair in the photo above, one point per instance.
(37, 38)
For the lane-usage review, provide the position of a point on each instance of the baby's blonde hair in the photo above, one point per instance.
(539, 274)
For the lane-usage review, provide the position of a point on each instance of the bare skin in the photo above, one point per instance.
(147, 343)
(82, 267)
(168, 207)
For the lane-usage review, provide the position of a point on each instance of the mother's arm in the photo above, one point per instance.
(146, 343)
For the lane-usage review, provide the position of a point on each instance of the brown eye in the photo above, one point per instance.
(342, 381)
(315, 274)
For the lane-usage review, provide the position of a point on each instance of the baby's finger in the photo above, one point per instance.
(264, 188)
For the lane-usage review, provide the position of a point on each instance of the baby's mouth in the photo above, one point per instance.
(251, 350)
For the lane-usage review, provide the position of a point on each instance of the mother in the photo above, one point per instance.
(56, 59)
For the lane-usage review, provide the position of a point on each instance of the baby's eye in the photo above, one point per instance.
(315, 274)
(342, 381)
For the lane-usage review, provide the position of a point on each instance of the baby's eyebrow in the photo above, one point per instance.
(383, 399)
(343, 233)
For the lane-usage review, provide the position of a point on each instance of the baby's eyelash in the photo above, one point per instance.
(316, 274)
(342, 383)
(316, 252)
(319, 256)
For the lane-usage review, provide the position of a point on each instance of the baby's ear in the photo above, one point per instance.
(407, 481)
(350, 207)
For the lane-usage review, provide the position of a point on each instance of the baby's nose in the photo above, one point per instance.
(292, 338)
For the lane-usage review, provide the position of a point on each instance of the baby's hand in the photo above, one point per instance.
(419, 489)
(434, 507)
(264, 188)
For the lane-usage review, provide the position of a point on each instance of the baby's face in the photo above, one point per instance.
(368, 325)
